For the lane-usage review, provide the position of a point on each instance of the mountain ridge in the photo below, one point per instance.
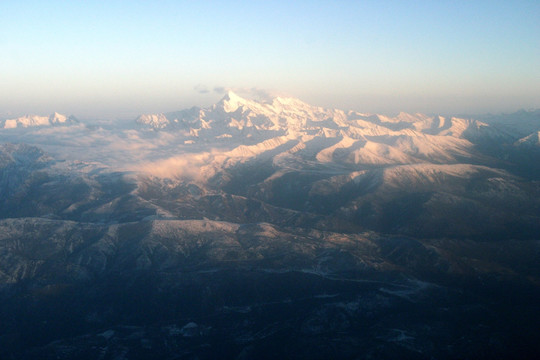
(290, 114)
(26, 121)
(248, 226)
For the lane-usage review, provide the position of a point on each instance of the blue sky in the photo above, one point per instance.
(121, 58)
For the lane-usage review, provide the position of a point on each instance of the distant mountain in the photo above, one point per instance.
(518, 124)
(336, 135)
(37, 120)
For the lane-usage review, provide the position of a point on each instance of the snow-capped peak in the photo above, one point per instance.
(157, 121)
(231, 102)
(57, 118)
(233, 97)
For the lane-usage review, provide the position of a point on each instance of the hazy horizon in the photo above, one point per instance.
(117, 60)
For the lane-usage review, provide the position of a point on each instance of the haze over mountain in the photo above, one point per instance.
(108, 60)
(264, 229)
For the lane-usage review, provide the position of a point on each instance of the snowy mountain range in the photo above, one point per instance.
(231, 228)
(297, 157)
(291, 155)
(36, 120)
(289, 114)
(294, 128)
(291, 131)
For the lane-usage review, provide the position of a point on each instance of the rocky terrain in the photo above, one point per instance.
(252, 230)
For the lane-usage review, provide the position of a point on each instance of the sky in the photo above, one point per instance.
(117, 59)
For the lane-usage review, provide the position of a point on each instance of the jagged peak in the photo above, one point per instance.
(230, 102)
(158, 121)
(232, 96)
(57, 118)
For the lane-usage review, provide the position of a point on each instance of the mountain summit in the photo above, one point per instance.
(358, 137)
(231, 102)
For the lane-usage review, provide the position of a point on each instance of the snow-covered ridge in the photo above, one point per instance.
(38, 120)
(157, 121)
(293, 133)
(286, 132)
(235, 116)
(530, 140)
(233, 113)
